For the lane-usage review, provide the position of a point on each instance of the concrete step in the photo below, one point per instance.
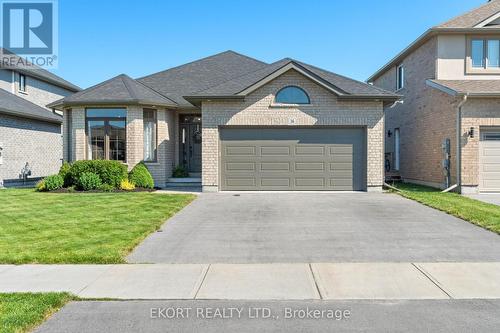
(184, 182)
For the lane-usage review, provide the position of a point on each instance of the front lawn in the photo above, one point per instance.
(24, 311)
(79, 228)
(482, 214)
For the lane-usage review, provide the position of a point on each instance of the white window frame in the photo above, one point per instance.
(400, 77)
(21, 85)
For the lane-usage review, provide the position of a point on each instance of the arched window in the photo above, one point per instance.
(292, 95)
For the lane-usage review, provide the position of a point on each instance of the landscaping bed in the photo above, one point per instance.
(90, 228)
(477, 212)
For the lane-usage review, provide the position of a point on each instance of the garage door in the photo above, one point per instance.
(296, 159)
(490, 162)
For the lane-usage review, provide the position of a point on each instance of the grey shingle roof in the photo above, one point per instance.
(40, 73)
(201, 74)
(17, 106)
(473, 17)
(470, 87)
(346, 86)
(119, 90)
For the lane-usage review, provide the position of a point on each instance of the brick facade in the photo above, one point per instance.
(325, 110)
(25, 140)
(478, 114)
(425, 119)
(161, 169)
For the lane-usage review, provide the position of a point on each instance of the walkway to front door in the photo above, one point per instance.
(190, 142)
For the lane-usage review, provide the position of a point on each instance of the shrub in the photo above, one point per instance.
(110, 172)
(89, 181)
(40, 185)
(64, 173)
(126, 185)
(106, 188)
(180, 172)
(141, 177)
(53, 182)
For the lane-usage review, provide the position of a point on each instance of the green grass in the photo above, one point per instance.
(97, 228)
(22, 312)
(482, 214)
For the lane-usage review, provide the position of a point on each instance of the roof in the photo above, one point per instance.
(120, 89)
(342, 86)
(38, 72)
(469, 22)
(200, 75)
(474, 17)
(224, 75)
(472, 88)
(17, 106)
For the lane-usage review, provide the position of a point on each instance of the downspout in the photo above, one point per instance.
(459, 141)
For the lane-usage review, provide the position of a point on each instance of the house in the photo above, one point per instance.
(239, 123)
(450, 82)
(30, 133)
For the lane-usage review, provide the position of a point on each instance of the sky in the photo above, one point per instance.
(101, 39)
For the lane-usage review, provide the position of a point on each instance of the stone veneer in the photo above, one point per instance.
(325, 110)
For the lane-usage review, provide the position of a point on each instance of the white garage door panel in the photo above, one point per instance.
(490, 162)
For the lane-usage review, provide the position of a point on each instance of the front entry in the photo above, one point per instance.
(190, 142)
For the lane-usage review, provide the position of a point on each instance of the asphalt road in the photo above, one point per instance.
(286, 316)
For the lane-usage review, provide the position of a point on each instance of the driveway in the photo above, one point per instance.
(492, 198)
(314, 227)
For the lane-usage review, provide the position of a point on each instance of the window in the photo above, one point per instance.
(22, 83)
(400, 77)
(150, 134)
(292, 95)
(493, 59)
(485, 53)
(106, 135)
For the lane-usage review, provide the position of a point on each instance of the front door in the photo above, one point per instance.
(190, 142)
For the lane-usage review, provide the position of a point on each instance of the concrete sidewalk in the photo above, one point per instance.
(317, 281)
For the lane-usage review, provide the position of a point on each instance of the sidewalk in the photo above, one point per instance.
(348, 281)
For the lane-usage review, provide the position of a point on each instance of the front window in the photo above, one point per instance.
(292, 95)
(106, 134)
(485, 53)
(22, 82)
(150, 134)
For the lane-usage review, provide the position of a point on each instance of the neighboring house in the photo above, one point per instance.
(450, 80)
(30, 132)
(239, 123)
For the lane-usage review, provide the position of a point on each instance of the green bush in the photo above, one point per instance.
(141, 176)
(180, 172)
(64, 173)
(110, 172)
(106, 188)
(53, 182)
(89, 181)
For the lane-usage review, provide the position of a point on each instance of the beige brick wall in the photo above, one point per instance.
(426, 117)
(325, 110)
(161, 170)
(476, 113)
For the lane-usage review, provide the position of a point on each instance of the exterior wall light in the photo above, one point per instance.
(389, 133)
(471, 133)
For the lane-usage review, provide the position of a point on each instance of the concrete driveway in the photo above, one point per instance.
(492, 198)
(314, 227)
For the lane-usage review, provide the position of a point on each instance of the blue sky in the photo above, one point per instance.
(101, 39)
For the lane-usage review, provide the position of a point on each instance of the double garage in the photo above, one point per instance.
(293, 158)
